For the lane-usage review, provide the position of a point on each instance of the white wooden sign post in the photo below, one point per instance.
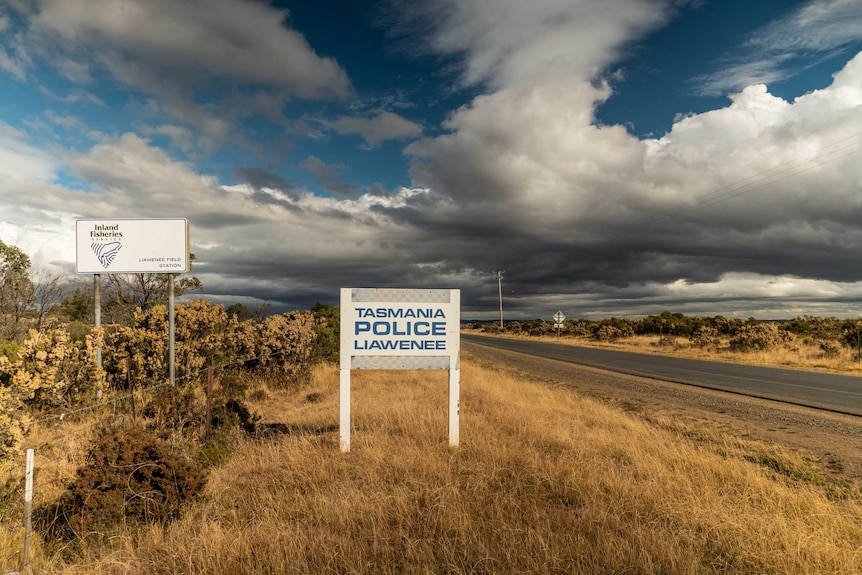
(392, 328)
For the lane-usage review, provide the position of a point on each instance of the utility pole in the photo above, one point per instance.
(500, 292)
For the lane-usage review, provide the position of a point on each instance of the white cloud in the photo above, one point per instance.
(242, 237)
(20, 160)
(818, 28)
(504, 42)
(384, 126)
(740, 295)
(179, 136)
(11, 65)
(819, 25)
(176, 50)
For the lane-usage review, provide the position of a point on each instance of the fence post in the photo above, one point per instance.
(129, 385)
(210, 398)
(28, 509)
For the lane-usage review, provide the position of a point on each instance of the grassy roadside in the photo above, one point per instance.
(544, 482)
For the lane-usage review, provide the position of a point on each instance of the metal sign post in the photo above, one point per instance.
(97, 311)
(400, 329)
(172, 369)
(559, 318)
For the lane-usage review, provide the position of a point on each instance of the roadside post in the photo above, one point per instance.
(393, 328)
(28, 510)
(559, 318)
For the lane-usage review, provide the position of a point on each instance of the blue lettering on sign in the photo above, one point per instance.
(399, 344)
(400, 329)
(406, 328)
(400, 313)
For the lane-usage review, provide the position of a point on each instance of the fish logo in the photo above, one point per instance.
(106, 252)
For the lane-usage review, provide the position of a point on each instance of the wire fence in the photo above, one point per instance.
(120, 397)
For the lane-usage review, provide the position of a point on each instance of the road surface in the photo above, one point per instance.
(832, 392)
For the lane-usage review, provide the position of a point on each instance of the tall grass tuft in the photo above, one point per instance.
(545, 481)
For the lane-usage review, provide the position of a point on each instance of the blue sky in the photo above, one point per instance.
(615, 157)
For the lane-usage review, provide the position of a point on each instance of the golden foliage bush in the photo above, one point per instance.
(760, 337)
(205, 332)
(55, 370)
(51, 370)
(14, 420)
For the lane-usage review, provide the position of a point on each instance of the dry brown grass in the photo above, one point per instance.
(544, 482)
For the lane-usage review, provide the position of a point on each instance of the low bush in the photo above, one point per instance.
(759, 337)
(129, 475)
(174, 410)
(704, 336)
(607, 332)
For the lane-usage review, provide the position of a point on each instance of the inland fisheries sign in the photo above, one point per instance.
(122, 246)
(393, 328)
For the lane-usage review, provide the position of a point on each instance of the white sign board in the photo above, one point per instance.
(393, 328)
(400, 328)
(132, 246)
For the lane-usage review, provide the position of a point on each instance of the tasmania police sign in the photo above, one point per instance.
(399, 328)
(389, 328)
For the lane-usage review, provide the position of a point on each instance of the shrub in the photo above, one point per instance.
(580, 328)
(704, 336)
(607, 332)
(15, 389)
(60, 371)
(174, 410)
(492, 327)
(280, 343)
(327, 344)
(820, 328)
(851, 333)
(285, 345)
(759, 337)
(10, 350)
(830, 349)
(129, 475)
(47, 370)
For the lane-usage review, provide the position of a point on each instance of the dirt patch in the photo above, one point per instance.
(831, 441)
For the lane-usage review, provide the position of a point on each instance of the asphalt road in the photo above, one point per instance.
(833, 392)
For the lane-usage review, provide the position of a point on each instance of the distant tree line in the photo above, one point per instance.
(744, 335)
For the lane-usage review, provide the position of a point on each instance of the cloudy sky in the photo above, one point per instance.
(614, 157)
